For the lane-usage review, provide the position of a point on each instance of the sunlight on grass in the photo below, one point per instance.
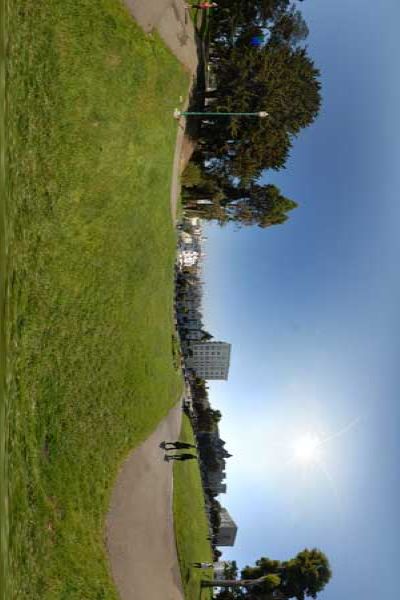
(191, 525)
(91, 252)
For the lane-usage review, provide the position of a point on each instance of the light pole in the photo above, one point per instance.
(183, 113)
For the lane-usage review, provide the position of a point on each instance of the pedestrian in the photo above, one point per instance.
(177, 445)
(203, 5)
(202, 565)
(179, 457)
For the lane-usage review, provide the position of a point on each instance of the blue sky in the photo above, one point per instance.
(311, 309)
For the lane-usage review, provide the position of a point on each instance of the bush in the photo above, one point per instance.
(192, 175)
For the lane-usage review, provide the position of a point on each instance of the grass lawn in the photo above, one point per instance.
(91, 246)
(191, 525)
(3, 462)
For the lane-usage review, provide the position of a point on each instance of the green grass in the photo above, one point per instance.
(3, 461)
(191, 525)
(90, 271)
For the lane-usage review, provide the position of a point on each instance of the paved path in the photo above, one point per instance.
(140, 529)
(172, 22)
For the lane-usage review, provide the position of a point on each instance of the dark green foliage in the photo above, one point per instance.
(303, 576)
(289, 28)
(231, 570)
(261, 205)
(235, 16)
(276, 78)
(192, 175)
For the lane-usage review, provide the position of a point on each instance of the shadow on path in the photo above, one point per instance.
(139, 527)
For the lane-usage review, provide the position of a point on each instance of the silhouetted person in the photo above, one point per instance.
(176, 445)
(179, 457)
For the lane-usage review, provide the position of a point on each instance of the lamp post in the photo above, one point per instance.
(183, 113)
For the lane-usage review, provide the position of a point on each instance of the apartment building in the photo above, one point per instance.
(210, 360)
(227, 530)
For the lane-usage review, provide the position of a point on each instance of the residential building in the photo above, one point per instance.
(212, 447)
(210, 360)
(227, 530)
(188, 258)
(194, 335)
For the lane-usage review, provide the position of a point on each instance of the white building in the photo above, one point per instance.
(210, 360)
(227, 530)
(188, 258)
(186, 237)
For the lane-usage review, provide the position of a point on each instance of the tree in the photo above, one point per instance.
(265, 206)
(231, 570)
(289, 28)
(303, 576)
(276, 78)
(267, 584)
(205, 335)
(261, 205)
(236, 16)
(306, 574)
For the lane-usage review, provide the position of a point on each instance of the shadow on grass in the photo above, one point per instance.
(197, 96)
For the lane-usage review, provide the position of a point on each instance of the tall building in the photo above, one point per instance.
(227, 530)
(210, 360)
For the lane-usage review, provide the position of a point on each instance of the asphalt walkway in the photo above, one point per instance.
(139, 528)
(173, 23)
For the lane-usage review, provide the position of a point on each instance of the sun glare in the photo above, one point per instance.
(306, 448)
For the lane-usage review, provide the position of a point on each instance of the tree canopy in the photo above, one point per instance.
(303, 576)
(275, 75)
(276, 78)
(256, 204)
(235, 16)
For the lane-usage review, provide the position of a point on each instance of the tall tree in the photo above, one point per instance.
(275, 78)
(261, 205)
(235, 16)
(289, 27)
(303, 576)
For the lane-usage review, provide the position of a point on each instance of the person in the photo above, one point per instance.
(203, 5)
(202, 565)
(176, 445)
(179, 457)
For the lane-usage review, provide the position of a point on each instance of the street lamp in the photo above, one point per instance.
(183, 113)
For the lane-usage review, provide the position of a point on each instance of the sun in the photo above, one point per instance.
(306, 448)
